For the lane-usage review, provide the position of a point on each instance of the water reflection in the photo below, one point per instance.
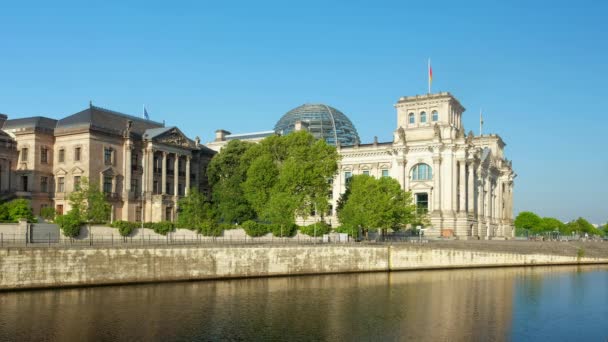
(485, 304)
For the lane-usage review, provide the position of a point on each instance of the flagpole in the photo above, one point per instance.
(429, 75)
(480, 123)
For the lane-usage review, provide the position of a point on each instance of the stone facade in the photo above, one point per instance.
(142, 166)
(463, 181)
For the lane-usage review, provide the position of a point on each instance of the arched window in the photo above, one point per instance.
(412, 118)
(435, 115)
(422, 117)
(422, 172)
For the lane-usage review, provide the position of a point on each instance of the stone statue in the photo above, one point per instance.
(437, 131)
(375, 141)
(470, 137)
(197, 141)
(401, 134)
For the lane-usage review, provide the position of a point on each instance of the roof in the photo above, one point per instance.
(30, 122)
(154, 132)
(252, 135)
(105, 120)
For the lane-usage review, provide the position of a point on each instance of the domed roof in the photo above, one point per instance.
(323, 121)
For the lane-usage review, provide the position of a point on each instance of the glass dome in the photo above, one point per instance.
(322, 121)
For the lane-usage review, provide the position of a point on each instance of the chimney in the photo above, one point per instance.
(220, 135)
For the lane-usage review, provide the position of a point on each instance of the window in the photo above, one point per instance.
(134, 158)
(423, 117)
(384, 173)
(135, 186)
(44, 155)
(138, 217)
(435, 115)
(24, 185)
(412, 118)
(422, 203)
(347, 176)
(77, 154)
(107, 155)
(44, 184)
(76, 183)
(168, 188)
(107, 184)
(366, 172)
(155, 187)
(24, 154)
(61, 156)
(60, 184)
(422, 172)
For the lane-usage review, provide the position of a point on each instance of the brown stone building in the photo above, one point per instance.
(141, 165)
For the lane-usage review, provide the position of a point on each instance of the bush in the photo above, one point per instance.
(284, 230)
(352, 231)
(320, 228)
(69, 223)
(125, 228)
(226, 226)
(48, 213)
(163, 227)
(209, 228)
(254, 229)
(149, 225)
(19, 209)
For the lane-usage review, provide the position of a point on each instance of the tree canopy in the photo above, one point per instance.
(530, 221)
(193, 210)
(89, 204)
(375, 204)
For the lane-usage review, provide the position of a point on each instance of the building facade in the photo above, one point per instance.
(463, 181)
(142, 166)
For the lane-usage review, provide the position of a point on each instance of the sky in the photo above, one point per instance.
(537, 69)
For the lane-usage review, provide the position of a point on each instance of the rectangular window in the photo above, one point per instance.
(76, 183)
(107, 184)
(44, 155)
(60, 184)
(77, 154)
(422, 203)
(366, 172)
(347, 176)
(169, 189)
(24, 154)
(44, 184)
(134, 158)
(135, 186)
(138, 214)
(384, 173)
(107, 155)
(24, 185)
(155, 187)
(61, 156)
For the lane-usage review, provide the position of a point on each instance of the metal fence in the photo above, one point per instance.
(19, 240)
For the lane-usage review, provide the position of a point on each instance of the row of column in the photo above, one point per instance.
(175, 174)
(148, 178)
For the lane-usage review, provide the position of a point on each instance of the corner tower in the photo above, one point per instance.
(419, 114)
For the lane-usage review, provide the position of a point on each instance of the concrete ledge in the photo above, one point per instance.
(28, 268)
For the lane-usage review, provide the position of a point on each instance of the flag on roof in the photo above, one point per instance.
(146, 116)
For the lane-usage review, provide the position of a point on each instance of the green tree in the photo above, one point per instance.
(551, 224)
(227, 171)
(582, 226)
(288, 175)
(194, 209)
(375, 204)
(89, 204)
(527, 220)
(19, 209)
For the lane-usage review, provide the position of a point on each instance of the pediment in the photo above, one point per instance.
(77, 171)
(60, 172)
(109, 172)
(415, 185)
(174, 137)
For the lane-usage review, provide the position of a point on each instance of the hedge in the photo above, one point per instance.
(319, 228)
(125, 227)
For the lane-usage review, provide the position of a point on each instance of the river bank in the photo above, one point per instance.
(36, 267)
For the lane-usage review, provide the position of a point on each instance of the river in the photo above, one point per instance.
(542, 303)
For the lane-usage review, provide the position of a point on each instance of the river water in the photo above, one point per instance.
(544, 303)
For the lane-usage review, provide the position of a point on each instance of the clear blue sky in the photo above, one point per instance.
(539, 71)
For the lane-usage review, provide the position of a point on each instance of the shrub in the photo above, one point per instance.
(149, 225)
(125, 228)
(254, 229)
(226, 226)
(352, 231)
(163, 227)
(48, 213)
(319, 228)
(284, 230)
(69, 223)
(19, 209)
(209, 228)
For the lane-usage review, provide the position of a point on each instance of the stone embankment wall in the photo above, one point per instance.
(30, 267)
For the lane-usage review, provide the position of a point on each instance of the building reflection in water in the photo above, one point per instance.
(430, 305)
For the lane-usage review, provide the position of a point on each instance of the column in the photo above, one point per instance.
(454, 196)
(163, 184)
(471, 189)
(176, 175)
(128, 167)
(187, 189)
(436, 183)
(150, 173)
(462, 187)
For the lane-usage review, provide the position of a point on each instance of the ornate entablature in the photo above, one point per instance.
(174, 137)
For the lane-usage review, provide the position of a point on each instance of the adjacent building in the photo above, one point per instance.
(142, 166)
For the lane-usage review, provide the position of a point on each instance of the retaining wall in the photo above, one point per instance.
(58, 267)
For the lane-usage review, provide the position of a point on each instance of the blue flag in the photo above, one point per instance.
(146, 116)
